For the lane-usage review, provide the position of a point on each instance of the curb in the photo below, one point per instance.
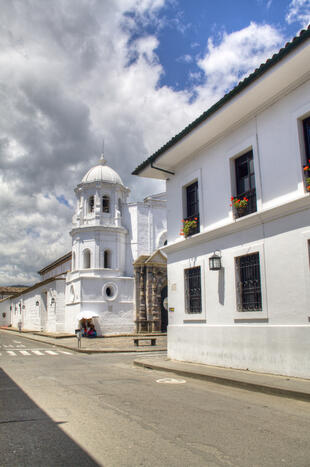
(87, 351)
(255, 387)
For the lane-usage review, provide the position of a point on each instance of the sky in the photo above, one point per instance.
(130, 72)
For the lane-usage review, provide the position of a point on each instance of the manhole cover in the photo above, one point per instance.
(170, 381)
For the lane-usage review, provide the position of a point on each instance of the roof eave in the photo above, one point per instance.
(165, 156)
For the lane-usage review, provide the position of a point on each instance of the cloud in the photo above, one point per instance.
(72, 77)
(234, 56)
(299, 12)
(185, 59)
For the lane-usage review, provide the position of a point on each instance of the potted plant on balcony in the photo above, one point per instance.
(307, 175)
(189, 227)
(239, 205)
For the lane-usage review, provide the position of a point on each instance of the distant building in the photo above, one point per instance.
(96, 280)
(11, 291)
(251, 311)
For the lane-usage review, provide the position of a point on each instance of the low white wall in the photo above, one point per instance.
(281, 350)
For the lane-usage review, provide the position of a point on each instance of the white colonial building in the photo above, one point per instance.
(252, 311)
(97, 280)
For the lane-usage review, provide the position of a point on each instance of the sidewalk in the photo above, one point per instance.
(286, 386)
(107, 344)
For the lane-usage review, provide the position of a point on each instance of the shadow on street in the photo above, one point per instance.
(29, 437)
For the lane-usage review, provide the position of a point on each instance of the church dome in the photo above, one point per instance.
(102, 173)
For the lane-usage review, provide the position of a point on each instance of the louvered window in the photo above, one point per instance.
(192, 206)
(245, 181)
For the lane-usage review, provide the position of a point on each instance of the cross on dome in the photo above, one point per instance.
(102, 160)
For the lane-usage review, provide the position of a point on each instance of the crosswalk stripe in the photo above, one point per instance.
(50, 352)
(10, 352)
(24, 352)
(66, 353)
(37, 352)
(17, 342)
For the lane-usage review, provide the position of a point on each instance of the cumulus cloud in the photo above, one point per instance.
(234, 56)
(73, 76)
(299, 12)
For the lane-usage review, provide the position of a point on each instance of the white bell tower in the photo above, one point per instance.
(98, 283)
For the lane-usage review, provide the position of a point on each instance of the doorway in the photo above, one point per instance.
(164, 309)
(43, 311)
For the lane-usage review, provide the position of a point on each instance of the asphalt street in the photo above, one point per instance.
(61, 408)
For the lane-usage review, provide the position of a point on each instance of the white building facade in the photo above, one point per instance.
(252, 313)
(96, 279)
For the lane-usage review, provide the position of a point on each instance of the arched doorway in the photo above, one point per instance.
(163, 309)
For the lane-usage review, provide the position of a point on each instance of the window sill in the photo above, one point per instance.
(240, 316)
(237, 225)
(194, 320)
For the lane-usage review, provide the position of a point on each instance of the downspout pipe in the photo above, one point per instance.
(162, 170)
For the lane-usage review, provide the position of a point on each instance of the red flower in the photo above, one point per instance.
(306, 167)
(232, 198)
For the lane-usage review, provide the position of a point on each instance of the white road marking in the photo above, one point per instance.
(37, 352)
(20, 345)
(171, 381)
(17, 342)
(40, 352)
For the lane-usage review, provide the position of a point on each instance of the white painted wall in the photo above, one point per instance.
(148, 227)
(277, 339)
(41, 316)
(115, 313)
(56, 271)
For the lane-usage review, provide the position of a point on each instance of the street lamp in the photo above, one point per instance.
(215, 261)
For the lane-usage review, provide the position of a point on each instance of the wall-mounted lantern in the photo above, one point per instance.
(53, 301)
(23, 307)
(215, 261)
(37, 303)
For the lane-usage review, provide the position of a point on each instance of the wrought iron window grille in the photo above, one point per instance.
(193, 290)
(249, 296)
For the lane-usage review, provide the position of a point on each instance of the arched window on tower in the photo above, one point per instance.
(105, 203)
(107, 259)
(86, 259)
(91, 204)
(73, 266)
(120, 206)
